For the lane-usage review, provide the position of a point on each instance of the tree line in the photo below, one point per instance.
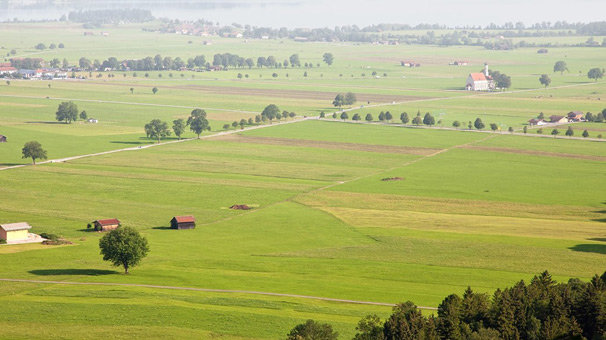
(110, 16)
(542, 309)
(224, 60)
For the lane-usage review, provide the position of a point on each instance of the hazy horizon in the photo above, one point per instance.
(318, 13)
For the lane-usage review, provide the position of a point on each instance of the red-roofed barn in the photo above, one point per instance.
(183, 222)
(106, 224)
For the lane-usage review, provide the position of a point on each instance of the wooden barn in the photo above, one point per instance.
(183, 222)
(2, 139)
(106, 224)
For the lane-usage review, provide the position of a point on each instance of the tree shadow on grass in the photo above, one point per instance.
(133, 143)
(599, 239)
(162, 228)
(88, 272)
(590, 248)
(42, 122)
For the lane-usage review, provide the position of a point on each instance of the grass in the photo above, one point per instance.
(323, 223)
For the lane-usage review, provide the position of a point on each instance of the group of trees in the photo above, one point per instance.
(348, 98)
(197, 123)
(52, 46)
(501, 80)
(542, 309)
(595, 73)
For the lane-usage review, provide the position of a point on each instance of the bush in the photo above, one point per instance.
(51, 237)
(2, 241)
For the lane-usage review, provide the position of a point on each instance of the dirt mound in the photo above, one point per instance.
(240, 207)
(392, 179)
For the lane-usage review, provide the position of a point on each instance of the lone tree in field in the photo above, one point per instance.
(83, 115)
(456, 124)
(339, 101)
(157, 129)
(478, 124)
(124, 247)
(494, 127)
(569, 132)
(312, 330)
(344, 115)
(585, 134)
(560, 66)
(388, 116)
(595, 73)
(555, 132)
(178, 127)
(404, 118)
(356, 117)
(328, 58)
(368, 117)
(545, 80)
(270, 112)
(350, 98)
(197, 122)
(67, 112)
(155, 90)
(34, 151)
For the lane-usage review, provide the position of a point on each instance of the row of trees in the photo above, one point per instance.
(224, 60)
(542, 309)
(52, 46)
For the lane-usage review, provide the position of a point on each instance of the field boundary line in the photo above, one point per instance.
(126, 103)
(212, 290)
(142, 147)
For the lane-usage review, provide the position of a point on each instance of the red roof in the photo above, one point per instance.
(109, 221)
(185, 219)
(478, 76)
(7, 68)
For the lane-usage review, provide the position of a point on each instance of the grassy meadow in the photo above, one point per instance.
(462, 209)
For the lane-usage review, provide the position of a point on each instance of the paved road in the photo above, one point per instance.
(210, 290)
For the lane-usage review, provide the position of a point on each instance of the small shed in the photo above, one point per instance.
(14, 231)
(106, 224)
(2, 139)
(558, 119)
(183, 222)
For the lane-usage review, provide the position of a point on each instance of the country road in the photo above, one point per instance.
(211, 290)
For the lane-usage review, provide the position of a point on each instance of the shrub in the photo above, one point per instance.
(2, 241)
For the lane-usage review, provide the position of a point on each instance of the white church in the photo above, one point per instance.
(480, 81)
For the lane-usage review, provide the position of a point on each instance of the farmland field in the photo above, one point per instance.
(377, 212)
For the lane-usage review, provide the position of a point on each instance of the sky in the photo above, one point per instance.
(322, 13)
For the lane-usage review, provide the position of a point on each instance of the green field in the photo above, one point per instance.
(466, 209)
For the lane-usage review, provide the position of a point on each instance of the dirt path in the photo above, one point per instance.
(211, 290)
(224, 133)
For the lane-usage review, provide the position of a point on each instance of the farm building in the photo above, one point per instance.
(183, 222)
(106, 224)
(14, 231)
(576, 116)
(409, 63)
(558, 119)
(459, 63)
(535, 121)
(5, 70)
(2, 139)
(480, 81)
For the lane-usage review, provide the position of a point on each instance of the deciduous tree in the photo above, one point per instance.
(67, 112)
(124, 247)
(34, 151)
(157, 129)
(179, 127)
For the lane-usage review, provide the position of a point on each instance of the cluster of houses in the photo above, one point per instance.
(18, 233)
(573, 116)
(6, 70)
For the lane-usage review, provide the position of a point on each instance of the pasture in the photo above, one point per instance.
(462, 208)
